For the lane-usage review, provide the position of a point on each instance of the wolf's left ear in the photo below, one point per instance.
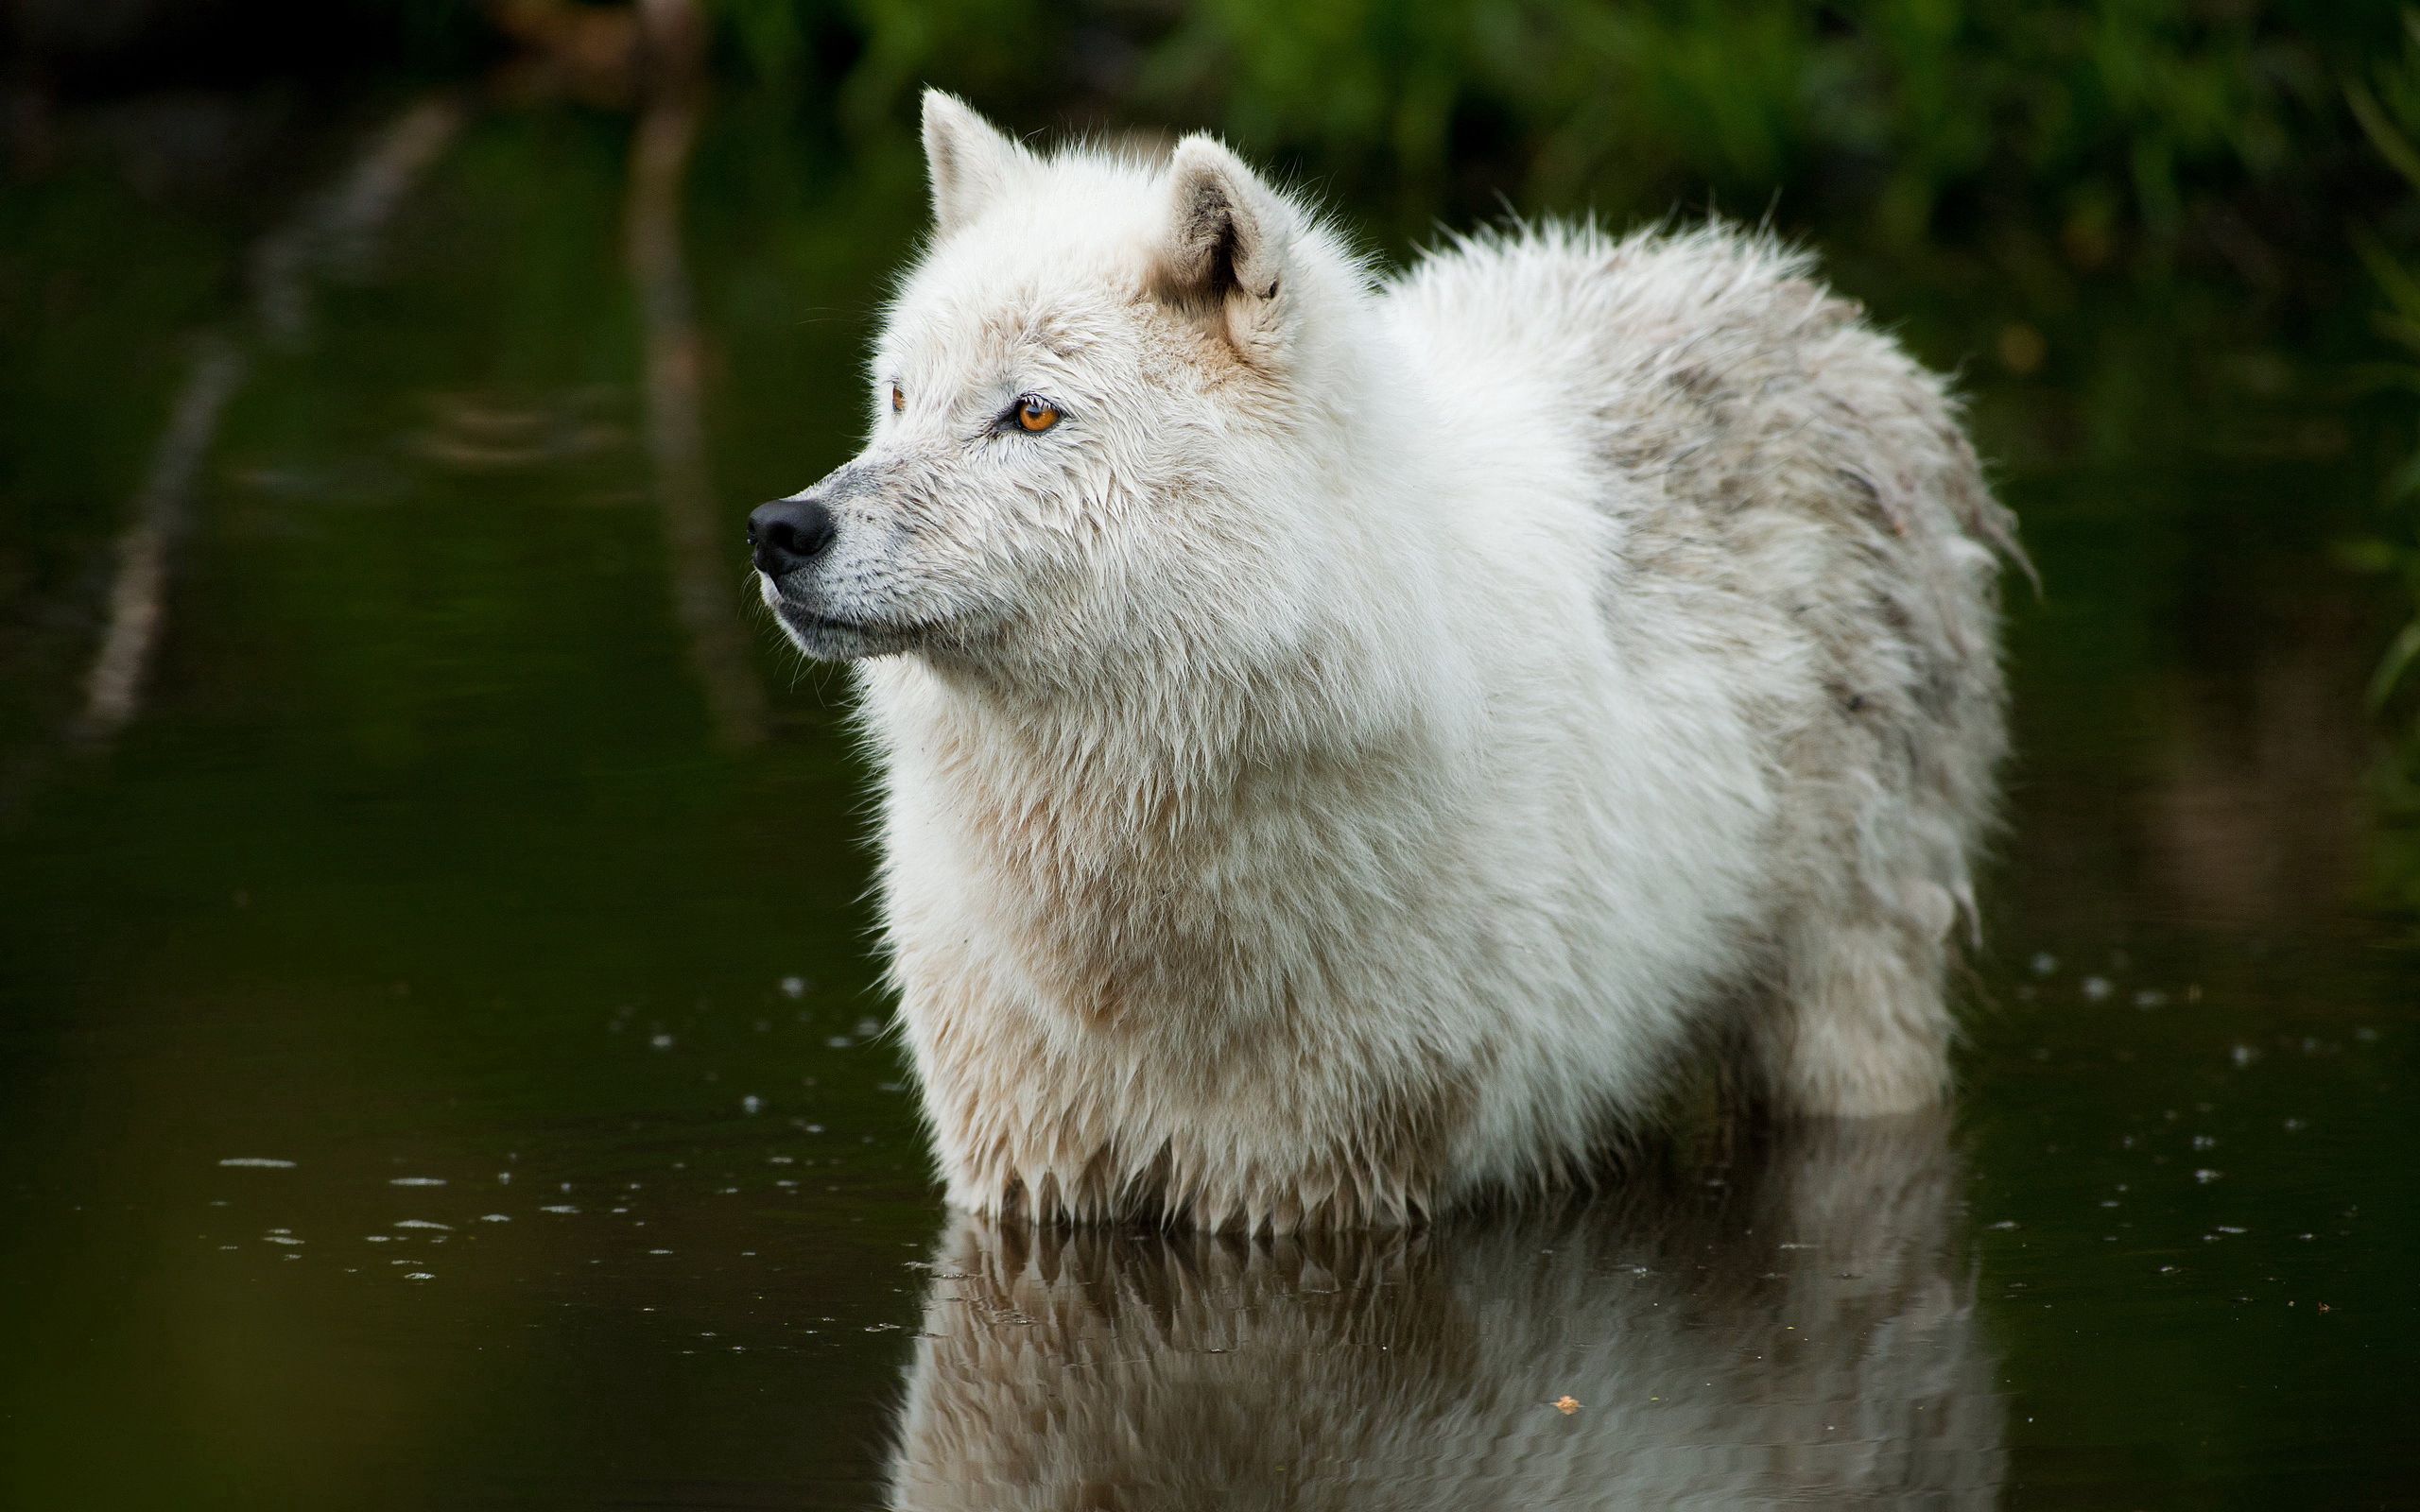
(1228, 246)
(969, 162)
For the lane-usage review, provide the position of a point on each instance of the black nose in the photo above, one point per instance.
(788, 534)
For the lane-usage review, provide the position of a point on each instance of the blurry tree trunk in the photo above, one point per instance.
(704, 558)
(332, 229)
(139, 590)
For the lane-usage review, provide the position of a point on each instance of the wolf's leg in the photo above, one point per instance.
(1858, 1026)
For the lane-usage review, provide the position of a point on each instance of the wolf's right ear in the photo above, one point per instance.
(1228, 248)
(967, 159)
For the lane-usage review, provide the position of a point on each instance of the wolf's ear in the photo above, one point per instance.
(969, 162)
(1228, 245)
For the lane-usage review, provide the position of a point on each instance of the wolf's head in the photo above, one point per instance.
(1101, 401)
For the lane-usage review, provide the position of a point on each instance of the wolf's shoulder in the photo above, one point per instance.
(1710, 363)
(1564, 296)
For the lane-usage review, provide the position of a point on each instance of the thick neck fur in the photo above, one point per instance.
(1190, 808)
(1321, 658)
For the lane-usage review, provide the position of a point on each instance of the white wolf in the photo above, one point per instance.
(1350, 745)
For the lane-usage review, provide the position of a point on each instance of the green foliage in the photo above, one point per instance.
(2134, 121)
(2385, 99)
(2387, 104)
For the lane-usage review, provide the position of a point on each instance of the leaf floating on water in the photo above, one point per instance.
(1566, 1405)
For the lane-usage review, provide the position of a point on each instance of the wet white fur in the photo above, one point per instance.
(1388, 729)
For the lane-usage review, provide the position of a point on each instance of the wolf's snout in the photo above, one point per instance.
(788, 533)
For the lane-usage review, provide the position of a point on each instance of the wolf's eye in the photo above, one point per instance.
(1036, 414)
(898, 400)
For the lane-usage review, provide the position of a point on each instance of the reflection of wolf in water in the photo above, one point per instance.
(1802, 1335)
(1346, 743)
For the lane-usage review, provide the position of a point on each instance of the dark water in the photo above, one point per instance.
(439, 1062)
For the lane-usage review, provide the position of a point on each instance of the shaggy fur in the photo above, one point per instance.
(1806, 1338)
(1385, 730)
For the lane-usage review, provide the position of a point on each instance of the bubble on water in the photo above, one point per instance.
(2045, 963)
(751, 1103)
(258, 1162)
(2243, 1055)
(659, 1252)
(793, 986)
(659, 1040)
(781, 1159)
(2151, 997)
(420, 1276)
(423, 1223)
(2097, 989)
(2206, 1178)
(495, 1217)
(415, 1181)
(559, 1206)
(868, 1028)
(2205, 1142)
(2004, 1223)
(2226, 1229)
(280, 1230)
(504, 1178)
(377, 1239)
(838, 1041)
(281, 1238)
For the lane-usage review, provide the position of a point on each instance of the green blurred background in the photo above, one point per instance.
(465, 825)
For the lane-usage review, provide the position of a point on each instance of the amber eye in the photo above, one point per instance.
(898, 400)
(1036, 414)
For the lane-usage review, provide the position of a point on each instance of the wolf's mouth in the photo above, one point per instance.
(837, 639)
